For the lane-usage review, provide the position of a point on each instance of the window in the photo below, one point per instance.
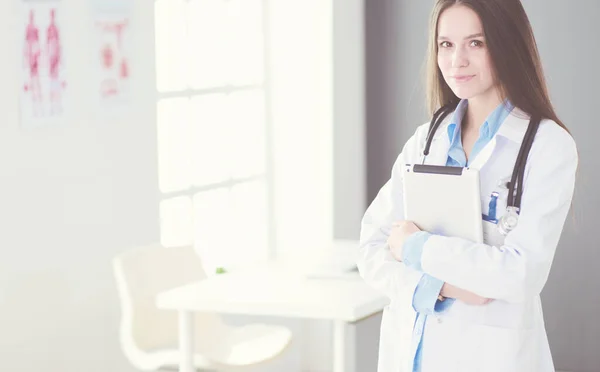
(212, 129)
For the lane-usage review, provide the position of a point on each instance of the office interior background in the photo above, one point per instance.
(309, 103)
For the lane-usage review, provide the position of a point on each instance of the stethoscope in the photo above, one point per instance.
(509, 220)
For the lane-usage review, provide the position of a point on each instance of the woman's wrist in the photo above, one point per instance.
(445, 291)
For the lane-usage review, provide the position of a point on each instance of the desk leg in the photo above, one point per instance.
(186, 341)
(339, 346)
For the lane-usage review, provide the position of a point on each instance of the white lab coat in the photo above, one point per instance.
(508, 334)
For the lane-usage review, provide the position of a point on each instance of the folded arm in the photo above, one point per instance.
(519, 268)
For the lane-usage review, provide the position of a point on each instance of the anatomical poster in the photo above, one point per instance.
(112, 52)
(44, 82)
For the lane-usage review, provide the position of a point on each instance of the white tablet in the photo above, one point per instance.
(444, 200)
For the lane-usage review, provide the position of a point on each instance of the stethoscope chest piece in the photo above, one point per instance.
(509, 220)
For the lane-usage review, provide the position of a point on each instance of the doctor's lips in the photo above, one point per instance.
(462, 78)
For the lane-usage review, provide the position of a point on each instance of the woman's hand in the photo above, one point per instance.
(400, 231)
(470, 298)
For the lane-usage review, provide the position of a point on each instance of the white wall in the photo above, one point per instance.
(317, 66)
(71, 197)
(301, 81)
(350, 158)
(74, 195)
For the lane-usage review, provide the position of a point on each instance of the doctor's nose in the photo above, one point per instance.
(459, 58)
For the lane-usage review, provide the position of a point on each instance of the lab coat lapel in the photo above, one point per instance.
(484, 155)
(438, 153)
(513, 128)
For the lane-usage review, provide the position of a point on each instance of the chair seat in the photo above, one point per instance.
(168, 358)
(251, 344)
(240, 346)
(149, 336)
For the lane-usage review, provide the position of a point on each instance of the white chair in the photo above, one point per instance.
(148, 335)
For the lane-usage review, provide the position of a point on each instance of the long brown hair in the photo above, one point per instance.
(513, 52)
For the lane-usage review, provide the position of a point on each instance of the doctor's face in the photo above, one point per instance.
(463, 57)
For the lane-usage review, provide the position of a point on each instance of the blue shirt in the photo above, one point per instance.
(425, 299)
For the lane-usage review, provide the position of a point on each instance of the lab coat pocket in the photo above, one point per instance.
(505, 350)
(491, 235)
(450, 346)
(504, 314)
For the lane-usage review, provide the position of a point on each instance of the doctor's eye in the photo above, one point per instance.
(445, 44)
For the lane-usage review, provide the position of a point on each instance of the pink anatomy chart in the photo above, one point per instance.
(44, 83)
(113, 60)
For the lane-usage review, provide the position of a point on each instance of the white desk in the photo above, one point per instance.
(273, 291)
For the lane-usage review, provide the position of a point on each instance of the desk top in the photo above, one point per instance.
(275, 291)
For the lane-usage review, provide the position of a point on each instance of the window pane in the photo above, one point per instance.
(213, 228)
(171, 44)
(211, 138)
(249, 208)
(247, 122)
(208, 43)
(176, 222)
(246, 52)
(174, 155)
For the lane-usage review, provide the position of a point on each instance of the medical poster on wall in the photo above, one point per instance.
(112, 52)
(44, 82)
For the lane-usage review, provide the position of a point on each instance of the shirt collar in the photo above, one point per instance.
(457, 117)
(489, 127)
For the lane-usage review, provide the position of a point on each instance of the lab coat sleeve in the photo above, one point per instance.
(412, 251)
(375, 262)
(425, 299)
(519, 269)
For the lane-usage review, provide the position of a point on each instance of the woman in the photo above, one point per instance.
(456, 305)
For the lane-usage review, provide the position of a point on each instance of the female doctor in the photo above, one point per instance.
(456, 305)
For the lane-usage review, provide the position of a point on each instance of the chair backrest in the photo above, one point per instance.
(141, 274)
